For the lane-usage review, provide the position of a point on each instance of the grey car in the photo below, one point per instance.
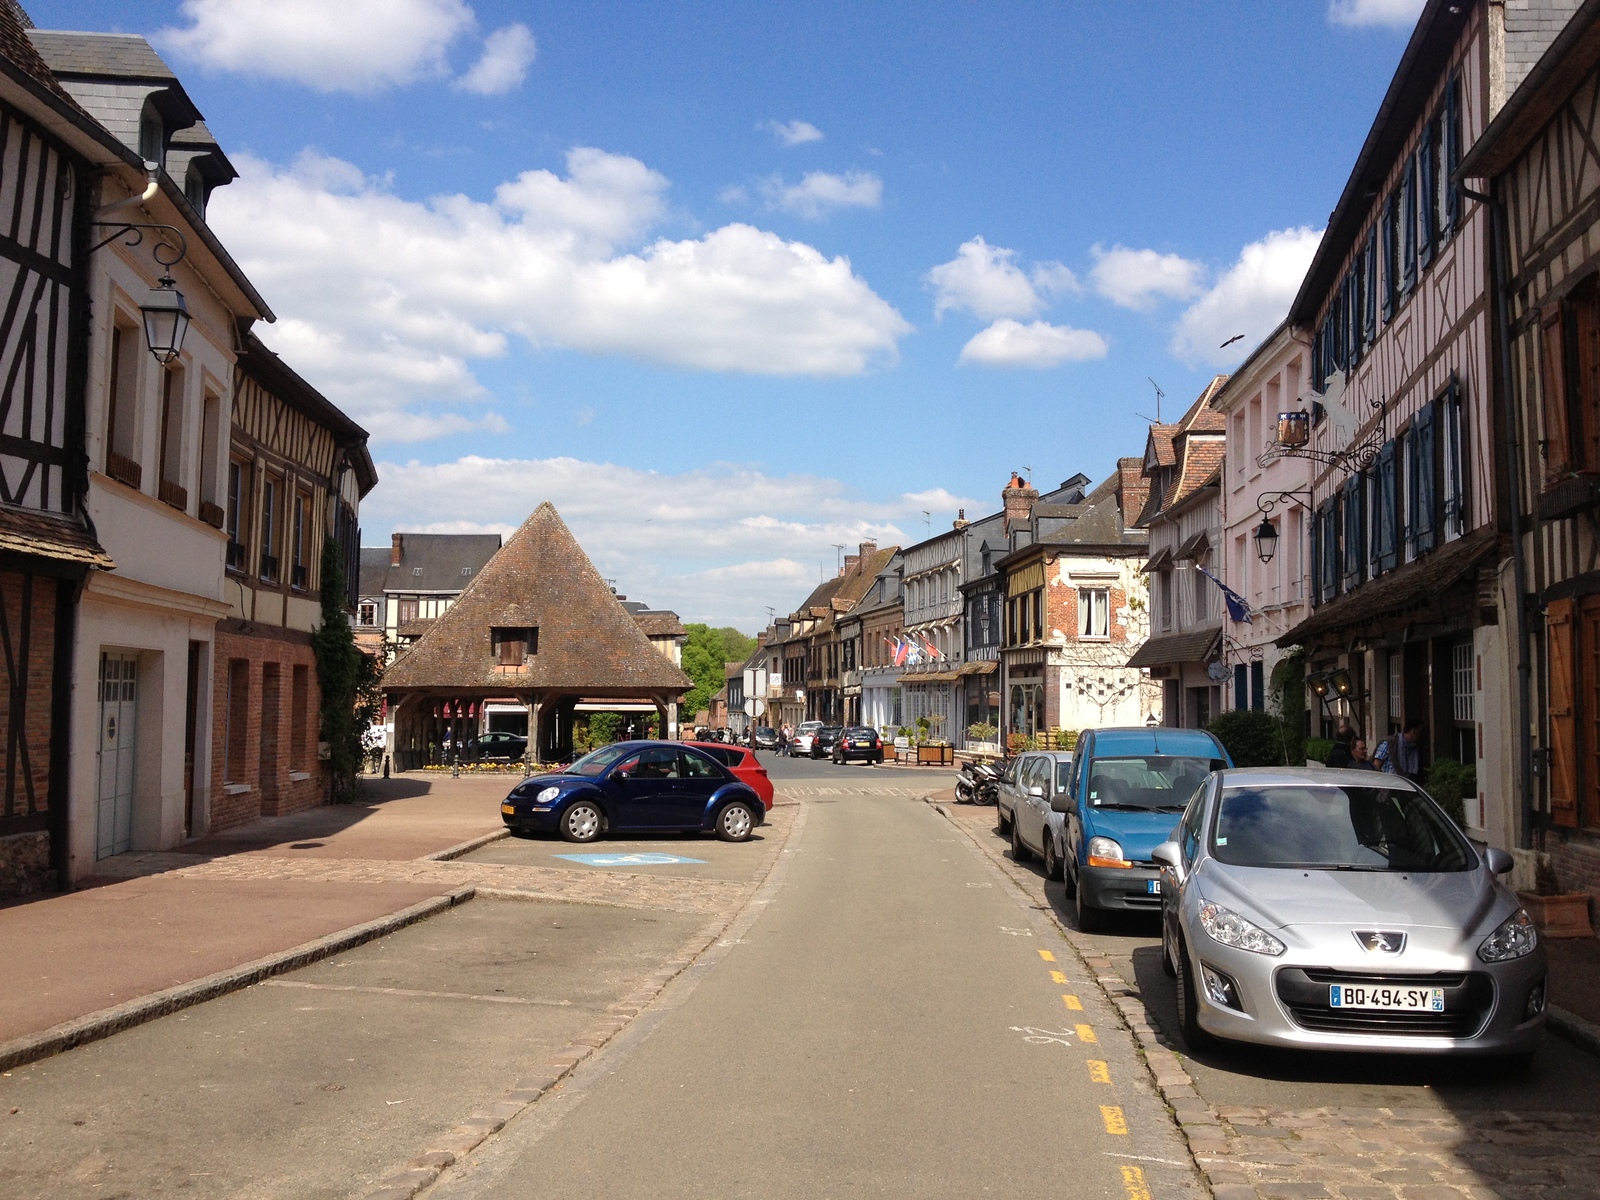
(1035, 829)
(1333, 909)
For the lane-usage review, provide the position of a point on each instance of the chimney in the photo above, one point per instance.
(851, 562)
(397, 549)
(1017, 501)
(961, 521)
(867, 548)
(1133, 489)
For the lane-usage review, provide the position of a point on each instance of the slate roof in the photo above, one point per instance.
(118, 55)
(1196, 646)
(588, 642)
(374, 570)
(440, 558)
(1097, 521)
(47, 535)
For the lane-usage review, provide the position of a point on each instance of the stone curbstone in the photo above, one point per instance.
(97, 1025)
(404, 1184)
(466, 847)
(1573, 1028)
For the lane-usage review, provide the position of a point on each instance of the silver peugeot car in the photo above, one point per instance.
(1333, 909)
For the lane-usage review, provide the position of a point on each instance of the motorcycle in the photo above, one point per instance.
(977, 784)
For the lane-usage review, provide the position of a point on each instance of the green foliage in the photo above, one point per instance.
(706, 653)
(1253, 739)
(351, 701)
(1288, 691)
(603, 728)
(981, 732)
(1318, 749)
(1450, 783)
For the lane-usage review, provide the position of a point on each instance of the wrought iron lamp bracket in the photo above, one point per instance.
(1267, 502)
(134, 230)
(1357, 456)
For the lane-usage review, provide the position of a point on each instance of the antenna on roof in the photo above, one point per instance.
(1160, 396)
(1029, 470)
(839, 546)
(927, 519)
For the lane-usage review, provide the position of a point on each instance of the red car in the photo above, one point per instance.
(744, 765)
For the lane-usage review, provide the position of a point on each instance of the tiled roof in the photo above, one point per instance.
(46, 535)
(117, 55)
(660, 623)
(541, 578)
(440, 562)
(1098, 521)
(1202, 466)
(16, 45)
(1196, 646)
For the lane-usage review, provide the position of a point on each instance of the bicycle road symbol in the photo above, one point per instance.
(1043, 1037)
(628, 860)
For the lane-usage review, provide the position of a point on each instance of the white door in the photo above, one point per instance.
(119, 728)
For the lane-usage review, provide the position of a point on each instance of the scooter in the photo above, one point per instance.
(976, 783)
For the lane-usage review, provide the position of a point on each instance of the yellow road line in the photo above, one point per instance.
(1099, 1072)
(1047, 956)
(1111, 1114)
(1133, 1181)
(1073, 1003)
(1086, 1033)
(1057, 977)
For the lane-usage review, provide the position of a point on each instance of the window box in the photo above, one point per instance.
(236, 556)
(1574, 494)
(269, 567)
(211, 514)
(174, 496)
(299, 577)
(123, 470)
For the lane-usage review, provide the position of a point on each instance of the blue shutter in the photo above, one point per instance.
(1387, 533)
(1425, 195)
(1408, 227)
(1319, 377)
(1390, 278)
(1369, 315)
(1424, 527)
(1354, 510)
(1455, 453)
(1330, 549)
(1241, 686)
(1452, 153)
(1316, 557)
(1258, 685)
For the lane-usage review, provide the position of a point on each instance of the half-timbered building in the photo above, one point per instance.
(297, 469)
(1406, 510)
(1541, 159)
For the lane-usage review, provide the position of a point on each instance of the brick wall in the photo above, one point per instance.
(40, 596)
(1577, 865)
(265, 728)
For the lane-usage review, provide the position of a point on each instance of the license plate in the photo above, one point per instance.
(509, 809)
(1152, 887)
(1402, 999)
(861, 745)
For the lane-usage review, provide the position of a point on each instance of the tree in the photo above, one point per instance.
(351, 701)
(706, 653)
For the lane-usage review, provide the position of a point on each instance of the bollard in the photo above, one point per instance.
(455, 766)
(386, 766)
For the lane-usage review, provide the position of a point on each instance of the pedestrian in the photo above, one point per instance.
(1339, 756)
(1401, 754)
(1359, 759)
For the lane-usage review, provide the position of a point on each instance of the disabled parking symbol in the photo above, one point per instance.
(628, 860)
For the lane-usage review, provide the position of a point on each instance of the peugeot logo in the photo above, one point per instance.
(1379, 941)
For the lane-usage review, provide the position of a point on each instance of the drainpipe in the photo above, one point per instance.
(1500, 282)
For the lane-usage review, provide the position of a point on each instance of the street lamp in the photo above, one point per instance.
(1266, 540)
(166, 320)
(1266, 534)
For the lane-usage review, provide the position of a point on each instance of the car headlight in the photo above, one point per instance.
(1229, 928)
(1104, 852)
(1515, 938)
(547, 796)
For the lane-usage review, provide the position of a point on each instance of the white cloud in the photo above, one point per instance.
(1039, 345)
(820, 193)
(985, 281)
(508, 52)
(386, 300)
(716, 544)
(1138, 278)
(792, 133)
(1251, 297)
(1396, 14)
(348, 46)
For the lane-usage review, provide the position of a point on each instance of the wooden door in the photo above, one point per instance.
(119, 733)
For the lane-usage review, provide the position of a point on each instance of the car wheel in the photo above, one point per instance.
(1052, 860)
(735, 823)
(1069, 875)
(1019, 852)
(1167, 968)
(1197, 1039)
(1000, 818)
(1089, 918)
(582, 822)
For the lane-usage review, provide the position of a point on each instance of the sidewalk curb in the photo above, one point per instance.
(466, 847)
(96, 1025)
(1573, 1028)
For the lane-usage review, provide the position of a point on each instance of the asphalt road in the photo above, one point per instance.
(890, 1018)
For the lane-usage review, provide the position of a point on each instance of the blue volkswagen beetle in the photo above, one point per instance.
(636, 786)
(1123, 798)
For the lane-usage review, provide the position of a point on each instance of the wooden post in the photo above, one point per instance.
(535, 734)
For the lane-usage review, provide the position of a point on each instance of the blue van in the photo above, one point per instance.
(1126, 791)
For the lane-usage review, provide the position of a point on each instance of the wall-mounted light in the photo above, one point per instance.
(166, 320)
(1342, 683)
(1266, 535)
(1319, 685)
(1266, 540)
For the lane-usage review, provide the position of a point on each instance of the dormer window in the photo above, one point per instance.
(152, 136)
(194, 189)
(512, 646)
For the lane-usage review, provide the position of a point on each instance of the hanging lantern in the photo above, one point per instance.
(166, 320)
(1266, 540)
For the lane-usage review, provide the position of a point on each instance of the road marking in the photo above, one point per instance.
(628, 860)
(1111, 1114)
(971, 884)
(1057, 977)
(389, 991)
(1086, 1033)
(1099, 1072)
(1170, 1162)
(1047, 956)
(1044, 1037)
(1016, 932)
(1073, 1003)
(1133, 1182)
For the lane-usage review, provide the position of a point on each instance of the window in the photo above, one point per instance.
(271, 500)
(1258, 685)
(1202, 601)
(1389, 235)
(300, 576)
(238, 513)
(171, 450)
(1571, 399)
(152, 136)
(1369, 306)
(1450, 130)
(1427, 192)
(513, 645)
(1421, 473)
(1386, 511)
(1166, 585)
(194, 189)
(1355, 541)
(1408, 227)
(407, 610)
(1454, 475)
(466, 570)
(1094, 613)
(210, 427)
(368, 614)
(122, 409)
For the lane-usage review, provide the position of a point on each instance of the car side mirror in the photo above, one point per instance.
(1498, 861)
(1061, 802)
(1036, 791)
(1170, 854)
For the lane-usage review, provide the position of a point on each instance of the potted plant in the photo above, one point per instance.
(1557, 914)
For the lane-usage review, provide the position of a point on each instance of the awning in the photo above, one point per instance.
(1415, 588)
(930, 677)
(1161, 558)
(43, 535)
(978, 668)
(1171, 649)
(1195, 547)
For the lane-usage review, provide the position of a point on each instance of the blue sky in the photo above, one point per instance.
(736, 284)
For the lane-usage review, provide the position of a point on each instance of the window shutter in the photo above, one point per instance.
(1241, 686)
(1452, 153)
(1386, 236)
(1561, 653)
(1553, 390)
(1316, 557)
(1455, 460)
(1354, 543)
(1369, 317)
(1424, 525)
(1425, 193)
(1388, 531)
(1584, 391)
(1258, 685)
(1319, 377)
(1408, 227)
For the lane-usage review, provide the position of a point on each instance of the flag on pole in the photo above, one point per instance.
(1238, 610)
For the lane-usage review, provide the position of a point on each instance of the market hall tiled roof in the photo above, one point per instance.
(660, 623)
(541, 579)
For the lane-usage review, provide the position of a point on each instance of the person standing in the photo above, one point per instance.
(1339, 756)
(1359, 759)
(1402, 754)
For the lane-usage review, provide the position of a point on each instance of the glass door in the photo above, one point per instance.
(119, 728)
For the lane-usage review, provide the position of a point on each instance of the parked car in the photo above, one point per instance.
(858, 741)
(1040, 777)
(744, 764)
(1344, 910)
(804, 734)
(764, 738)
(636, 786)
(827, 738)
(1004, 802)
(495, 746)
(1125, 789)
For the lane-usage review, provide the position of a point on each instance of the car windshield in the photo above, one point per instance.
(810, 726)
(765, 731)
(1063, 773)
(596, 762)
(1146, 781)
(1337, 827)
(860, 731)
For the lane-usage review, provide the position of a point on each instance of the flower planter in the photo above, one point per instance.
(1559, 916)
(941, 755)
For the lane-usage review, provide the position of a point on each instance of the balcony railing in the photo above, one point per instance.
(299, 577)
(174, 496)
(123, 470)
(236, 556)
(212, 514)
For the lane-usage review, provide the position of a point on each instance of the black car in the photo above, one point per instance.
(858, 741)
(827, 738)
(495, 746)
(764, 738)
